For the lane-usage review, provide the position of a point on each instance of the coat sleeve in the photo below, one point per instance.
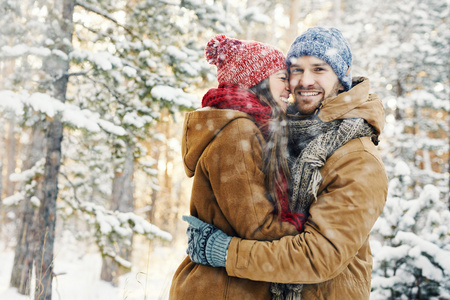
(234, 167)
(352, 196)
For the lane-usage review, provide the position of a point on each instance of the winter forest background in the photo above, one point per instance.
(92, 96)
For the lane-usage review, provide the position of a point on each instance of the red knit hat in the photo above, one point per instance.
(243, 63)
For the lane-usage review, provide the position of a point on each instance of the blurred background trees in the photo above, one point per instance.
(113, 78)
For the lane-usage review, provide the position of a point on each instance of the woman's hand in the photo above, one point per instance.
(207, 244)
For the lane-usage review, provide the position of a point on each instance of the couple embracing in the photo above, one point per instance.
(284, 194)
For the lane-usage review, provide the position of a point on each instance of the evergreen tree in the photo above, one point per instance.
(411, 243)
(403, 46)
(127, 63)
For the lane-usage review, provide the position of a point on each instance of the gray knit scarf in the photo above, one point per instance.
(312, 142)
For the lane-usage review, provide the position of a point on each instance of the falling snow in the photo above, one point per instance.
(120, 83)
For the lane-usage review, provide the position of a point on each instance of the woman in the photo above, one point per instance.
(228, 146)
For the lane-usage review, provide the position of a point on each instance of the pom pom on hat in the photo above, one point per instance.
(212, 47)
(219, 48)
(243, 63)
(329, 45)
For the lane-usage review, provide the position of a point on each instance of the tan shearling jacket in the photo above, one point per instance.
(332, 257)
(222, 150)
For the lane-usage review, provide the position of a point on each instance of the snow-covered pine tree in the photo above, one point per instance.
(154, 57)
(411, 243)
(403, 46)
(109, 76)
(129, 61)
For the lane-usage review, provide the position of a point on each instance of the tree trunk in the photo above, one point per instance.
(10, 157)
(54, 136)
(165, 211)
(155, 192)
(170, 212)
(294, 19)
(26, 238)
(6, 70)
(337, 13)
(47, 211)
(2, 146)
(121, 200)
(249, 27)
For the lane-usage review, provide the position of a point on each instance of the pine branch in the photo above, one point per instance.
(98, 32)
(110, 90)
(102, 13)
(168, 2)
(77, 74)
(105, 85)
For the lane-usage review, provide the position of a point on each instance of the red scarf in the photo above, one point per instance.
(297, 219)
(230, 96)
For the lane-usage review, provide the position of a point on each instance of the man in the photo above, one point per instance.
(338, 180)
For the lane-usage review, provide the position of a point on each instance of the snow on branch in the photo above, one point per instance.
(12, 102)
(23, 49)
(30, 174)
(29, 179)
(103, 13)
(103, 60)
(175, 96)
(122, 224)
(389, 282)
(424, 98)
(113, 226)
(442, 257)
(13, 199)
(71, 114)
(253, 14)
(410, 242)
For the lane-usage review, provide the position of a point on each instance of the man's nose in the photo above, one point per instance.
(306, 79)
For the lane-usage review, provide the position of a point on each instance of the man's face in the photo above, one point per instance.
(311, 81)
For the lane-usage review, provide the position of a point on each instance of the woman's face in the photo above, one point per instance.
(279, 87)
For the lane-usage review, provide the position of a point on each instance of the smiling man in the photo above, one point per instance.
(312, 80)
(338, 182)
(319, 62)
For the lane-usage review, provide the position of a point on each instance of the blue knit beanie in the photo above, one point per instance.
(329, 45)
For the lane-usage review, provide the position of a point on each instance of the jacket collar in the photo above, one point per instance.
(355, 103)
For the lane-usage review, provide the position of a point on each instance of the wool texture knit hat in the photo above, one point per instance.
(243, 63)
(329, 45)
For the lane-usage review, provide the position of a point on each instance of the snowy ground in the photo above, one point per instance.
(149, 279)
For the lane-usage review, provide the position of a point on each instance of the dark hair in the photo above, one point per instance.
(275, 151)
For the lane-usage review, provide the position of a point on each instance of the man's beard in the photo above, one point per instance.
(337, 88)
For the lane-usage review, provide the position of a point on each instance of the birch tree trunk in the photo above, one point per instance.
(47, 211)
(121, 200)
(27, 236)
